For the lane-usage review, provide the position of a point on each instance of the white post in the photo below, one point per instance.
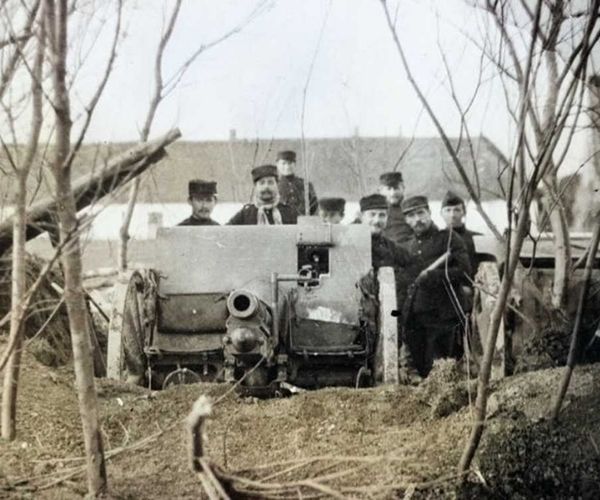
(388, 325)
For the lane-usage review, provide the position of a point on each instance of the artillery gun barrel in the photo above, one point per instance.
(242, 304)
(248, 322)
(121, 169)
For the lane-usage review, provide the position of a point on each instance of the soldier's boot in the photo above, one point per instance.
(409, 376)
(407, 373)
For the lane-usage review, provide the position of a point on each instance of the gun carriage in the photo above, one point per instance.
(264, 305)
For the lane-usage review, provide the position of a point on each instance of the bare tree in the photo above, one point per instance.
(544, 50)
(21, 172)
(56, 22)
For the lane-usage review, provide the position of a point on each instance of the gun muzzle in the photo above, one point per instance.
(242, 304)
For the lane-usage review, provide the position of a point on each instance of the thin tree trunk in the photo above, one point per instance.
(18, 301)
(556, 211)
(492, 335)
(11, 374)
(71, 256)
(562, 257)
(124, 235)
(156, 99)
(80, 336)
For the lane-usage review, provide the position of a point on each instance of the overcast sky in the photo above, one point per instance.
(253, 82)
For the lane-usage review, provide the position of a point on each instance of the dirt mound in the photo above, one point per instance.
(534, 460)
(46, 324)
(548, 346)
(446, 390)
(376, 443)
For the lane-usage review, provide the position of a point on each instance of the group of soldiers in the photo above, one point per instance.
(434, 267)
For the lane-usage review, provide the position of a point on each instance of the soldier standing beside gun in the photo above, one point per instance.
(440, 262)
(391, 185)
(453, 212)
(384, 252)
(291, 187)
(266, 208)
(203, 199)
(374, 213)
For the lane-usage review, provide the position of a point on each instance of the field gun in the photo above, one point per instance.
(257, 305)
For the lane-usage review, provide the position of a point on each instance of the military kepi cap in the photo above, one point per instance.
(264, 171)
(199, 187)
(451, 199)
(391, 179)
(414, 203)
(287, 155)
(373, 202)
(332, 204)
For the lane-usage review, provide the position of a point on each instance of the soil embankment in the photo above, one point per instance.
(376, 443)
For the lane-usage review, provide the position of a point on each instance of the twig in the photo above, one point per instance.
(215, 484)
(47, 322)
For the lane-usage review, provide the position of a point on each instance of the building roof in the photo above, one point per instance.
(346, 167)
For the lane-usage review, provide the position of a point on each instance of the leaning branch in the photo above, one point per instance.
(119, 171)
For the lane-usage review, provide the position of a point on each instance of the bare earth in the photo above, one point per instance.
(371, 443)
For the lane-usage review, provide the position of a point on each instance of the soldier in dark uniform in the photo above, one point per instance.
(266, 208)
(331, 210)
(202, 198)
(384, 252)
(453, 212)
(291, 187)
(391, 186)
(431, 308)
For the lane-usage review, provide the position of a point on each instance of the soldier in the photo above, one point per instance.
(453, 212)
(374, 213)
(430, 311)
(291, 187)
(384, 252)
(202, 198)
(331, 210)
(266, 209)
(391, 186)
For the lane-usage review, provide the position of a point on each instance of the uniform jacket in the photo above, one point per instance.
(432, 295)
(384, 252)
(248, 215)
(291, 192)
(467, 237)
(193, 221)
(397, 228)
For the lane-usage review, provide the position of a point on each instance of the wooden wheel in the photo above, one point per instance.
(126, 332)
